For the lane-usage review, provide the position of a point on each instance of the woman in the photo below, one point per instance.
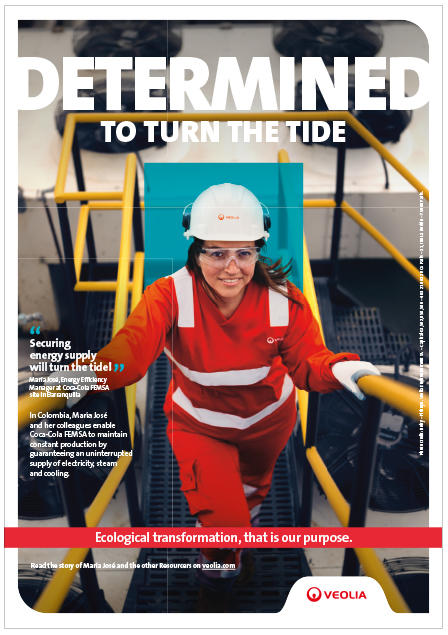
(240, 337)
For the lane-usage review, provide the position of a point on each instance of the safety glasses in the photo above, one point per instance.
(220, 257)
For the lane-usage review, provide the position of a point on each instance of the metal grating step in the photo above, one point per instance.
(326, 313)
(399, 348)
(163, 504)
(176, 590)
(99, 316)
(360, 330)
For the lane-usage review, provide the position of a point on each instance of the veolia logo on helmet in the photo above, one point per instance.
(226, 202)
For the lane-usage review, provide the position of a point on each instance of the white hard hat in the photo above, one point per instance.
(226, 212)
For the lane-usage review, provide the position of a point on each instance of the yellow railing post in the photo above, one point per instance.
(121, 295)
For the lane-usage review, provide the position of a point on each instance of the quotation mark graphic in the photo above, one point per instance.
(35, 330)
(118, 367)
(314, 594)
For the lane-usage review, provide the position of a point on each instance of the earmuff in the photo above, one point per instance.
(266, 217)
(186, 216)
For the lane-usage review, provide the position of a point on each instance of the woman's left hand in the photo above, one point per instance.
(347, 373)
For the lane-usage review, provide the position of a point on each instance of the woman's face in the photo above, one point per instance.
(229, 279)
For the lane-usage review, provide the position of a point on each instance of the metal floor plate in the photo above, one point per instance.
(163, 504)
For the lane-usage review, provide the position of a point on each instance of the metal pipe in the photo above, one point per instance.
(67, 140)
(319, 202)
(139, 244)
(121, 295)
(137, 278)
(88, 196)
(337, 213)
(363, 477)
(98, 285)
(122, 420)
(310, 294)
(70, 277)
(404, 398)
(73, 504)
(29, 405)
(91, 250)
(370, 562)
(382, 240)
(311, 439)
(387, 156)
(80, 240)
(53, 595)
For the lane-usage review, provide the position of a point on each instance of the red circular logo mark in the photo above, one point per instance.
(314, 594)
(221, 216)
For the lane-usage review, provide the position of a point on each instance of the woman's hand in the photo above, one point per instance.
(347, 373)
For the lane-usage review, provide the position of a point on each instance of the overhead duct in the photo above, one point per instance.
(91, 136)
(31, 583)
(329, 39)
(387, 125)
(411, 575)
(126, 38)
(401, 475)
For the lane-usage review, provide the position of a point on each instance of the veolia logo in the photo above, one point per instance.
(346, 595)
(271, 340)
(221, 216)
(314, 594)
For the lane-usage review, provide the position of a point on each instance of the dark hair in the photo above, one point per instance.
(267, 273)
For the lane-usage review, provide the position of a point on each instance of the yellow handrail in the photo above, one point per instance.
(54, 593)
(80, 241)
(371, 230)
(387, 390)
(28, 405)
(398, 395)
(121, 295)
(367, 557)
(382, 240)
(335, 115)
(387, 156)
(310, 294)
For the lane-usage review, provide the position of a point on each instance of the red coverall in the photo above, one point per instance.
(231, 402)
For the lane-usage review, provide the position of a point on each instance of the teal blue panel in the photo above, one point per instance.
(169, 187)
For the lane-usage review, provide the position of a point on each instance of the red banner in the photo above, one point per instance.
(222, 537)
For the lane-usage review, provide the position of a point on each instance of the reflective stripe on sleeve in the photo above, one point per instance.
(278, 308)
(224, 420)
(244, 377)
(249, 489)
(183, 283)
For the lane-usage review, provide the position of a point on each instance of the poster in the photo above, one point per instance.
(215, 44)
